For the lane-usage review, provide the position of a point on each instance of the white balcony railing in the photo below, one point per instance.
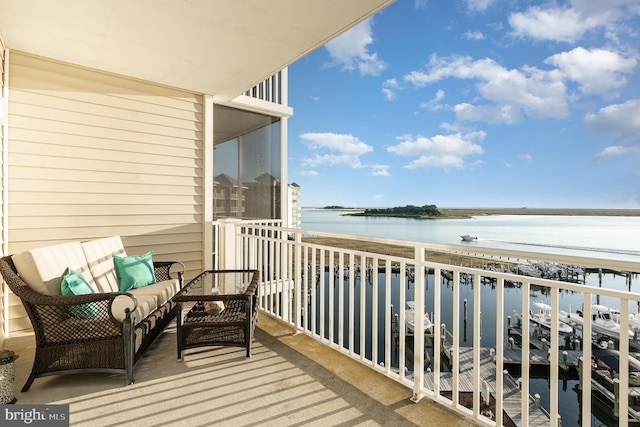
(352, 300)
(268, 90)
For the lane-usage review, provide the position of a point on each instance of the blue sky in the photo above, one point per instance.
(484, 103)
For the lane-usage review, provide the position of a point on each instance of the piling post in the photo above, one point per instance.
(616, 399)
(511, 343)
(565, 360)
(580, 373)
(544, 344)
(600, 277)
(443, 336)
(536, 400)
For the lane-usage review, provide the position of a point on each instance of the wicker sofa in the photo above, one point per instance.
(104, 331)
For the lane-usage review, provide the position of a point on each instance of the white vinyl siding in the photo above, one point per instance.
(94, 155)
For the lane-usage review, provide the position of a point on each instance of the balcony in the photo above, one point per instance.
(333, 343)
(290, 380)
(484, 357)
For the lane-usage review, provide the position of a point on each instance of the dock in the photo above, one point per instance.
(511, 392)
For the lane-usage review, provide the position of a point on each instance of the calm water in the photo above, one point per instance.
(601, 237)
(592, 236)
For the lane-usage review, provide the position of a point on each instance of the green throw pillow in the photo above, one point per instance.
(74, 283)
(134, 271)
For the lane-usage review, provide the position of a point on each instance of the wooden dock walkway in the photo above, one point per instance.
(511, 392)
(541, 358)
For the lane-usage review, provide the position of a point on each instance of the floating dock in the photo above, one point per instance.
(512, 394)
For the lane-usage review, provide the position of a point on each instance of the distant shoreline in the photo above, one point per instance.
(450, 213)
(539, 211)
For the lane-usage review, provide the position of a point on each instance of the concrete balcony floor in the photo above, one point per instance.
(291, 380)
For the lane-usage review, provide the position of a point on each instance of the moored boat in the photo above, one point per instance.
(468, 238)
(603, 320)
(542, 318)
(410, 319)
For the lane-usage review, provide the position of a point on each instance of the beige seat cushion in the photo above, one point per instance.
(99, 255)
(42, 268)
(149, 298)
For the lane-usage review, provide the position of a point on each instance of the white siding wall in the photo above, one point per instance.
(94, 155)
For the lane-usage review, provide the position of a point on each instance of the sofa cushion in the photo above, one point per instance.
(74, 283)
(42, 268)
(99, 255)
(134, 271)
(149, 298)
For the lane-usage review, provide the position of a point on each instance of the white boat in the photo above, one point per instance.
(542, 318)
(410, 319)
(634, 321)
(603, 320)
(468, 238)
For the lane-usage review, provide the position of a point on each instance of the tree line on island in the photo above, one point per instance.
(409, 211)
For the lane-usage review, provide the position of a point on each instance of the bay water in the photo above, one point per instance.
(607, 237)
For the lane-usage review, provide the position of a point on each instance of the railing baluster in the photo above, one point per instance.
(477, 328)
(499, 352)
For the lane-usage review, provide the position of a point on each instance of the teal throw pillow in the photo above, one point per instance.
(134, 271)
(74, 283)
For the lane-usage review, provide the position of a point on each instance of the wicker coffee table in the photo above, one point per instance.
(198, 322)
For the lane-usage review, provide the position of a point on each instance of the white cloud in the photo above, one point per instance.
(622, 120)
(487, 113)
(308, 172)
(569, 23)
(526, 157)
(434, 103)
(596, 71)
(479, 5)
(474, 35)
(378, 197)
(421, 4)
(380, 170)
(554, 23)
(616, 150)
(443, 151)
(390, 88)
(511, 93)
(351, 50)
(345, 150)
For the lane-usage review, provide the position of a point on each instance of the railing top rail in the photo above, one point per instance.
(495, 254)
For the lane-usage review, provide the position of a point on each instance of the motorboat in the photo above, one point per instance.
(542, 318)
(468, 238)
(603, 320)
(605, 370)
(410, 319)
(634, 321)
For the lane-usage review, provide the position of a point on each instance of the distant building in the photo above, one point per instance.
(228, 197)
(294, 206)
(263, 198)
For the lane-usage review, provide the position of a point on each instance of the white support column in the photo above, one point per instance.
(4, 133)
(207, 184)
(229, 251)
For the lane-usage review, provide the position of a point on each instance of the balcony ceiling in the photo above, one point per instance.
(216, 47)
